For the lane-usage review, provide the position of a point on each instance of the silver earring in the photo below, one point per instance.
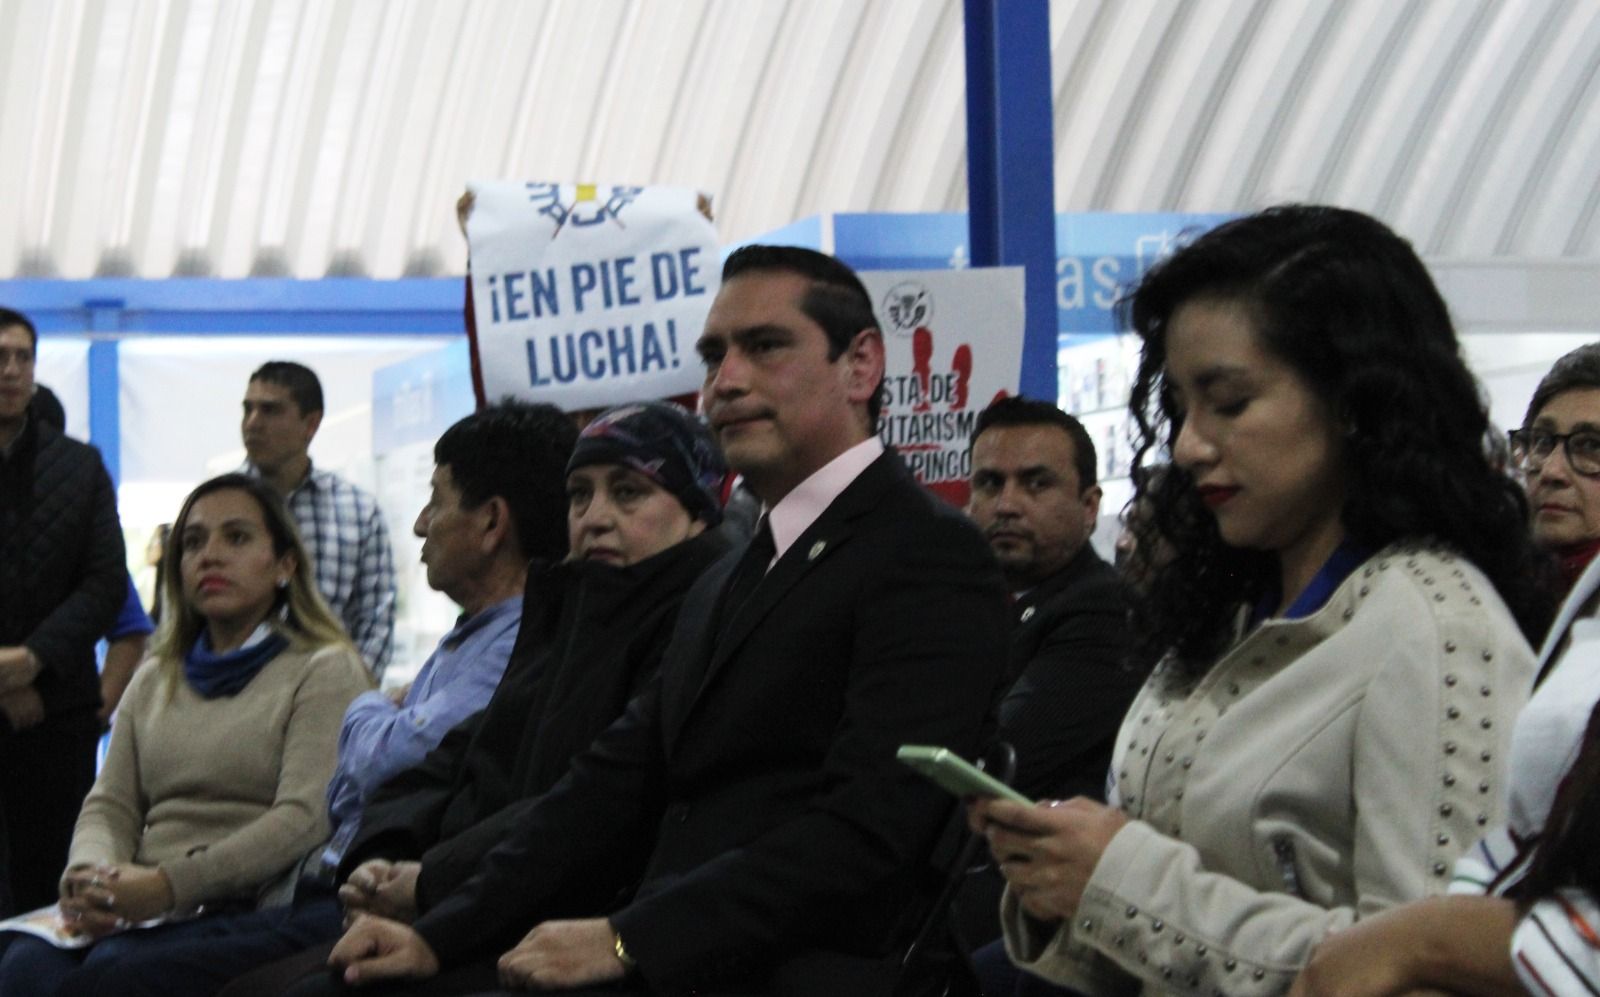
(283, 583)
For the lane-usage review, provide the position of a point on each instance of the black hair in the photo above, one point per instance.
(298, 379)
(518, 451)
(837, 300)
(1576, 370)
(1015, 410)
(1349, 305)
(10, 317)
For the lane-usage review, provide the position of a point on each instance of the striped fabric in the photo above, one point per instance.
(1497, 861)
(1556, 947)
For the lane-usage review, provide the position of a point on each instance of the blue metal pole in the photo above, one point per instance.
(1010, 165)
(105, 413)
(257, 306)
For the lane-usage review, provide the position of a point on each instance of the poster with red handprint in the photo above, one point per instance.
(952, 344)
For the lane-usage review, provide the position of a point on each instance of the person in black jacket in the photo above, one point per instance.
(62, 580)
(1036, 498)
(593, 635)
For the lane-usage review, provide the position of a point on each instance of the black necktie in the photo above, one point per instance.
(752, 567)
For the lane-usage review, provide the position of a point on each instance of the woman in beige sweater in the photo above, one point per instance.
(213, 786)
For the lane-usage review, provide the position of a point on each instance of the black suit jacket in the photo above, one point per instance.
(1070, 654)
(759, 768)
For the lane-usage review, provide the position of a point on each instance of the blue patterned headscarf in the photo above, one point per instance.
(664, 443)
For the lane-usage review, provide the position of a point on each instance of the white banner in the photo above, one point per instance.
(586, 295)
(953, 344)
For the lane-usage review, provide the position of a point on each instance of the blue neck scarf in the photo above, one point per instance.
(213, 675)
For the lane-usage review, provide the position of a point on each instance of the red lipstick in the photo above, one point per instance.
(1216, 495)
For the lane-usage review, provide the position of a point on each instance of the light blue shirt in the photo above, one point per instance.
(379, 739)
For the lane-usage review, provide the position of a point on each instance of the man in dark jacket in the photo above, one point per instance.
(62, 580)
(1035, 497)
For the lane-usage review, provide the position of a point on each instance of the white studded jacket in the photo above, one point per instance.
(1324, 769)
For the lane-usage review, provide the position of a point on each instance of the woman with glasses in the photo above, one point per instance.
(1342, 625)
(1558, 451)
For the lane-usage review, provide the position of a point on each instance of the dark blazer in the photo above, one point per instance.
(759, 768)
(1074, 683)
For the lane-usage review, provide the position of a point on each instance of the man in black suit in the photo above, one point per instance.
(1034, 495)
(752, 789)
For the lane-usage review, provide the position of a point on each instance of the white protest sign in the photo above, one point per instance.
(953, 344)
(585, 295)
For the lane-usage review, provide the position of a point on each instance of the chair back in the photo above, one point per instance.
(937, 962)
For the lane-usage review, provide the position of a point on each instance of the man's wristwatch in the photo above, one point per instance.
(622, 953)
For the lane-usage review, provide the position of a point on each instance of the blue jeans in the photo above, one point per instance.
(30, 967)
(189, 959)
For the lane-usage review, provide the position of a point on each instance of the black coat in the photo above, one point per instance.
(592, 635)
(1074, 682)
(758, 771)
(1071, 650)
(62, 571)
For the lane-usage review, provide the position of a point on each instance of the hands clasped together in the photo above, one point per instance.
(19, 699)
(554, 955)
(380, 901)
(382, 888)
(99, 899)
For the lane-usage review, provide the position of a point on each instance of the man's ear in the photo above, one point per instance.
(866, 360)
(1091, 504)
(312, 423)
(498, 528)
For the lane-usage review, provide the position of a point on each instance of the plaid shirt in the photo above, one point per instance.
(343, 532)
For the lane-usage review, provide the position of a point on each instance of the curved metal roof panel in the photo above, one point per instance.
(316, 137)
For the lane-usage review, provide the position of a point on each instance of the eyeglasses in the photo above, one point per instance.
(1530, 448)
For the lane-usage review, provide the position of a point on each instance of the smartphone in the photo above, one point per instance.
(955, 774)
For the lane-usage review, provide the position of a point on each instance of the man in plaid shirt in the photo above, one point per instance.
(339, 523)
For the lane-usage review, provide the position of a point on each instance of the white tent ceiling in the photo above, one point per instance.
(308, 137)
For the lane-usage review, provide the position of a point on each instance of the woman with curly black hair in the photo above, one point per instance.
(1342, 624)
